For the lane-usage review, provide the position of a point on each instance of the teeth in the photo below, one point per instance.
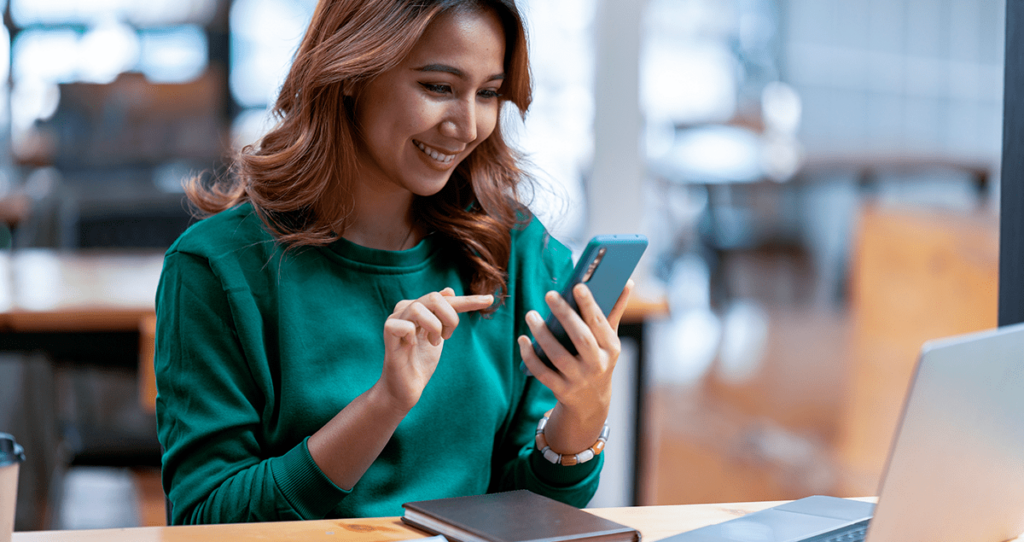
(443, 158)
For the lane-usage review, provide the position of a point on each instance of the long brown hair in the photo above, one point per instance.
(297, 177)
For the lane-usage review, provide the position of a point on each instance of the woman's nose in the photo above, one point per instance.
(460, 123)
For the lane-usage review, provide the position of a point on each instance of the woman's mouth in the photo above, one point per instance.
(433, 153)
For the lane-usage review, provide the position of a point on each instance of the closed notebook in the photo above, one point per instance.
(513, 516)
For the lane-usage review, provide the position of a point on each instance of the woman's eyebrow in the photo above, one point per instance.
(454, 71)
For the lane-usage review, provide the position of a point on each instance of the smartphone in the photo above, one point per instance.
(605, 266)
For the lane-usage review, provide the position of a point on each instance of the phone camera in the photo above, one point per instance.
(593, 264)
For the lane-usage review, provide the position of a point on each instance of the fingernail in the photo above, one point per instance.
(533, 317)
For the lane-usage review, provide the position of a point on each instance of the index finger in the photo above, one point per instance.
(470, 303)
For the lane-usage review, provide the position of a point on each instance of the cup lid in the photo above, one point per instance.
(10, 451)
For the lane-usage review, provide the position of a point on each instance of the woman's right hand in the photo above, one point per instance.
(414, 336)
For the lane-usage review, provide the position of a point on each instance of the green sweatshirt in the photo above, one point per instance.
(256, 349)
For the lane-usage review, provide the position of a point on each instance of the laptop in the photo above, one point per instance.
(955, 471)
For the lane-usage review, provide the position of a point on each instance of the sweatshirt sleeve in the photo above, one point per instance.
(209, 412)
(528, 469)
(542, 264)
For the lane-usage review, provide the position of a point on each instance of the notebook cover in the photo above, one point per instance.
(518, 516)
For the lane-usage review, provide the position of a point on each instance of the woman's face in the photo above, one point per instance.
(420, 119)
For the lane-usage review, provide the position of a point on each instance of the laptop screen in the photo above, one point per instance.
(956, 469)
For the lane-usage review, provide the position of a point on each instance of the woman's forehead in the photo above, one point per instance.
(473, 38)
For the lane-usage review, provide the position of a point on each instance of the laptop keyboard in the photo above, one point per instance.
(854, 534)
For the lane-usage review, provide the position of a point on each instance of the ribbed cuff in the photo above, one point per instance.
(310, 492)
(565, 479)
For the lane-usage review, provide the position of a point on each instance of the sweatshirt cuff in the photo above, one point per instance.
(309, 491)
(562, 478)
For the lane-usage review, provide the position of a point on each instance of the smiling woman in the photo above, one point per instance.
(343, 334)
(301, 176)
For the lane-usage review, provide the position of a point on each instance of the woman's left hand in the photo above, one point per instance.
(583, 383)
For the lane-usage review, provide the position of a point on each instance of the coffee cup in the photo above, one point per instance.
(11, 456)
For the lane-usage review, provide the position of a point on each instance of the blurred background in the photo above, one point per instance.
(819, 180)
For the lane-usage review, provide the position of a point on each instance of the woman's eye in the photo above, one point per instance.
(436, 88)
(489, 94)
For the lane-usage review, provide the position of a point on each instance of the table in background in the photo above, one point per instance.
(51, 290)
(639, 311)
(77, 304)
(99, 303)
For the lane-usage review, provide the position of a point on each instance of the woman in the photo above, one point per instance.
(343, 335)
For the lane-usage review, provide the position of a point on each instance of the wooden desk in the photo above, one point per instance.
(653, 522)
